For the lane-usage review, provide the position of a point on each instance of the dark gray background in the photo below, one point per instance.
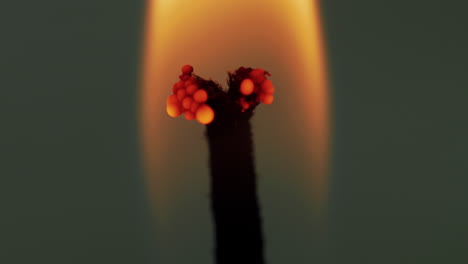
(72, 189)
(400, 100)
(71, 184)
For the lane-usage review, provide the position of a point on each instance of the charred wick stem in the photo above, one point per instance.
(227, 114)
(234, 201)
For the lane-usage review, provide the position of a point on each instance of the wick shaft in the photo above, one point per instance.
(235, 208)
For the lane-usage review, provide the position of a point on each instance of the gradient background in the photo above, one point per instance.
(72, 188)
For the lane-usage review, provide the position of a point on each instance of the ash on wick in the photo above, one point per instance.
(227, 114)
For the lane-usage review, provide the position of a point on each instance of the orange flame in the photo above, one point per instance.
(282, 36)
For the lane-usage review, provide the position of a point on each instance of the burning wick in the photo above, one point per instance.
(191, 94)
(227, 114)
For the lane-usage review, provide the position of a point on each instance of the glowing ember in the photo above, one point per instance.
(192, 88)
(267, 87)
(205, 114)
(189, 115)
(187, 102)
(248, 87)
(200, 96)
(257, 75)
(267, 98)
(187, 69)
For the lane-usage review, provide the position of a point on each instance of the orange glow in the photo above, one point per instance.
(181, 94)
(194, 107)
(267, 99)
(267, 87)
(173, 110)
(247, 87)
(200, 96)
(205, 114)
(313, 74)
(187, 69)
(282, 36)
(192, 88)
(172, 100)
(187, 102)
(257, 75)
(177, 86)
(189, 115)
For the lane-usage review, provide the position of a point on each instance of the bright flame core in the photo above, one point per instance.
(282, 36)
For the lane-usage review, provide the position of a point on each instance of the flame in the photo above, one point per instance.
(314, 75)
(281, 36)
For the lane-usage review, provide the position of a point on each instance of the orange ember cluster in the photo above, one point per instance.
(256, 88)
(248, 88)
(189, 99)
